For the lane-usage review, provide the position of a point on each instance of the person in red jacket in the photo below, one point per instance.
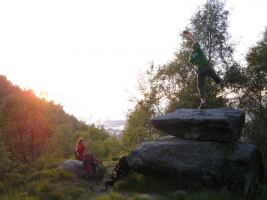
(80, 149)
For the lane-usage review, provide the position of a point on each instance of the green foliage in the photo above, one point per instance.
(175, 82)
(62, 142)
(210, 24)
(135, 186)
(24, 125)
(208, 195)
(15, 179)
(99, 142)
(171, 86)
(33, 128)
(138, 127)
(253, 94)
(36, 136)
(18, 196)
(44, 188)
(136, 183)
(111, 147)
(111, 196)
(93, 138)
(2, 187)
(4, 159)
(32, 181)
(64, 126)
(7, 88)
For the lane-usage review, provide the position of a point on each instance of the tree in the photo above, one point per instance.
(173, 85)
(24, 125)
(175, 82)
(4, 158)
(253, 94)
(94, 138)
(6, 87)
(210, 25)
(138, 127)
(255, 86)
(111, 147)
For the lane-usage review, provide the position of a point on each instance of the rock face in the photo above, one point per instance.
(205, 163)
(74, 166)
(203, 151)
(221, 125)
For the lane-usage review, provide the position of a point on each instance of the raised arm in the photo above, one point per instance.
(190, 36)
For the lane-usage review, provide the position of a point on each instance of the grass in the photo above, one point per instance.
(141, 184)
(138, 187)
(43, 181)
(209, 195)
(111, 196)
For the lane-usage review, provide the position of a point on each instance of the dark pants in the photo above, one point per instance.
(203, 72)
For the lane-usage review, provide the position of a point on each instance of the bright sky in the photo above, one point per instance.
(86, 55)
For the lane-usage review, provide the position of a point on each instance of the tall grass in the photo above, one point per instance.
(41, 180)
(167, 189)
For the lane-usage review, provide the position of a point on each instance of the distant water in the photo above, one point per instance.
(115, 124)
(112, 126)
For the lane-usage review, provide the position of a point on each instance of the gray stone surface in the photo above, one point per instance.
(202, 163)
(221, 124)
(74, 166)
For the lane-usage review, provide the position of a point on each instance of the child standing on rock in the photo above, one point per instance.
(80, 149)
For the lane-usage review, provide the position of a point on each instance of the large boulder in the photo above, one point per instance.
(221, 125)
(74, 166)
(201, 163)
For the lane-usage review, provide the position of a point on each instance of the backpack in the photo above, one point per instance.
(90, 165)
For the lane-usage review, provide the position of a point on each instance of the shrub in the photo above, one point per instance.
(16, 179)
(2, 187)
(4, 158)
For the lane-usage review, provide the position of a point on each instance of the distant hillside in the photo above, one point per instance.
(30, 125)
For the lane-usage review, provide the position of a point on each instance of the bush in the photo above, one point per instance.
(144, 184)
(2, 187)
(15, 179)
(4, 158)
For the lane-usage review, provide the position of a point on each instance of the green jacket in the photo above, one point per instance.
(197, 57)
